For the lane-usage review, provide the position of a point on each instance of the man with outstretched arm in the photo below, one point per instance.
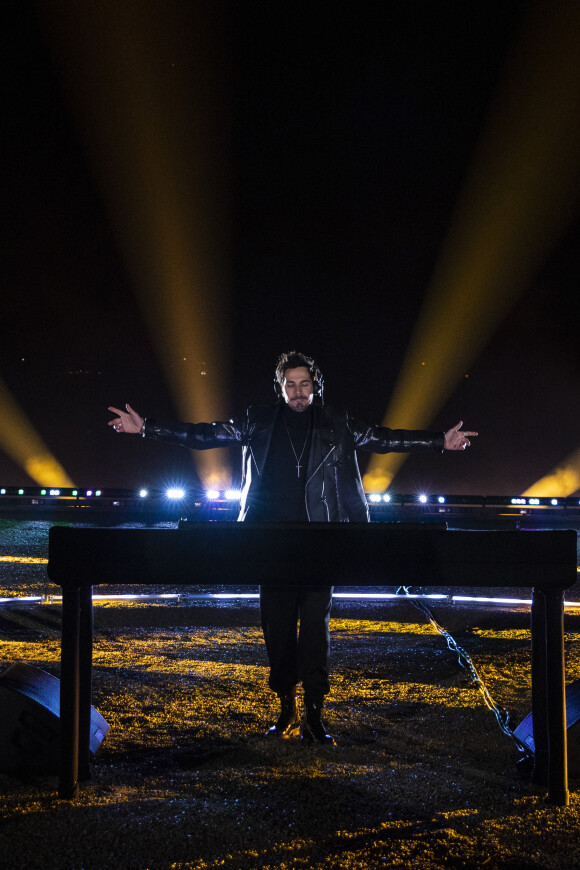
(299, 465)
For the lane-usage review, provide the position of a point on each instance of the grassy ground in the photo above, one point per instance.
(421, 777)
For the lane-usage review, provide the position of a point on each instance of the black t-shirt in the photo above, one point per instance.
(280, 496)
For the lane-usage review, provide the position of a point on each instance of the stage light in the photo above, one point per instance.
(554, 501)
(520, 194)
(75, 492)
(175, 493)
(423, 499)
(2, 492)
(20, 492)
(441, 499)
(386, 497)
(374, 497)
(212, 494)
(233, 494)
(143, 493)
(89, 493)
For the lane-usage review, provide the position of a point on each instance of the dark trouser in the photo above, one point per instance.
(297, 656)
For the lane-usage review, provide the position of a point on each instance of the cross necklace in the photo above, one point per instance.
(296, 457)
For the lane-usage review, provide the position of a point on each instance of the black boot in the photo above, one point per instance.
(288, 724)
(313, 729)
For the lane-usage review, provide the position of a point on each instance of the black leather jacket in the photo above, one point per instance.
(334, 490)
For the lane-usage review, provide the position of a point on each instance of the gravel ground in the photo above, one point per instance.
(421, 777)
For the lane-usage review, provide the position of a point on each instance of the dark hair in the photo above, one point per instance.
(294, 360)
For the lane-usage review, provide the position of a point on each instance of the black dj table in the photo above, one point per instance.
(343, 554)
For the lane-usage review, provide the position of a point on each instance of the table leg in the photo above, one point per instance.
(85, 680)
(539, 689)
(69, 693)
(556, 696)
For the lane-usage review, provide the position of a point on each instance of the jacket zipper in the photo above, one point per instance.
(322, 461)
(338, 496)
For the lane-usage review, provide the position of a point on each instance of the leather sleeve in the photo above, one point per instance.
(197, 436)
(379, 439)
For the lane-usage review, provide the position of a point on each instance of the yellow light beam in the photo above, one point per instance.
(520, 193)
(20, 441)
(149, 83)
(562, 481)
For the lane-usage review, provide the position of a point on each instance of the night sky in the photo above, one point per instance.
(351, 129)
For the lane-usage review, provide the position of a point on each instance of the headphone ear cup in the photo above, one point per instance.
(317, 381)
(277, 388)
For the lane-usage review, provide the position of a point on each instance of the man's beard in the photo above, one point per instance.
(300, 405)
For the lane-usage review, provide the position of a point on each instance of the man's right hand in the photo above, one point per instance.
(129, 422)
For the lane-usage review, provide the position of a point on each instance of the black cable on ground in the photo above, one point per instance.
(502, 716)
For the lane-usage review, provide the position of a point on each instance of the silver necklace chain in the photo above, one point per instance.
(296, 457)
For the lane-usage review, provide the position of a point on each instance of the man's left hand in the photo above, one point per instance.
(457, 440)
